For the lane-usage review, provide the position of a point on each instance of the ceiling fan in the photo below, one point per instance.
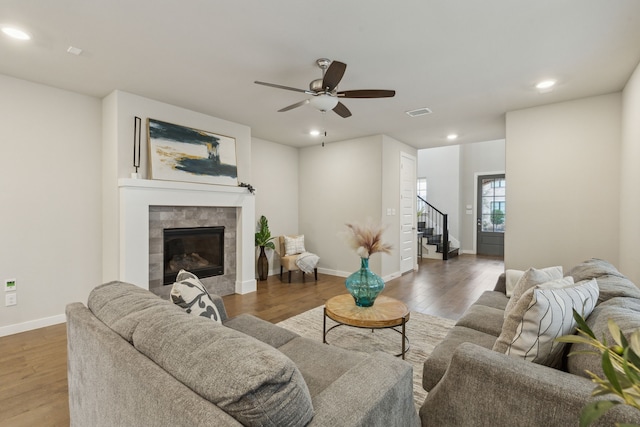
(324, 91)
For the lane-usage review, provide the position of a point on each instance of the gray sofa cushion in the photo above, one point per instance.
(248, 379)
(611, 282)
(319, 363)
(437, 363)
(260, 329)
(493, 299)
(484, 319)
(121, 306)
(624, 312)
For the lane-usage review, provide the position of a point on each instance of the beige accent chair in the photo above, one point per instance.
(289, 262)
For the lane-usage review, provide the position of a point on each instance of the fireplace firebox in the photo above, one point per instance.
(199, 250)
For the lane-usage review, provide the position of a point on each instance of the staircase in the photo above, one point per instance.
(433, 225)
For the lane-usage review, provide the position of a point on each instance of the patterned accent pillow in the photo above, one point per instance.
(542, 314)
(190, 294)
(294, 245)
(528, 280)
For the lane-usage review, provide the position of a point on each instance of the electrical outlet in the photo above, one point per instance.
(10, 285)
(10, 299)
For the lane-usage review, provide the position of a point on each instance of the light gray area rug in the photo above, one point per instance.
(424, 332)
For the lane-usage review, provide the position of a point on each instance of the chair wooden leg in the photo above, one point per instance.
(315, 272)
(289, 276)
(281, 273)
(303, 276)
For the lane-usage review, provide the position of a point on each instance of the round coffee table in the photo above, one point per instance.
(386, 312)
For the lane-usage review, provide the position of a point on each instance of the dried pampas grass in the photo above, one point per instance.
(366, 239)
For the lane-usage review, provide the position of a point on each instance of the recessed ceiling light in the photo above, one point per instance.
(546, 84)
(452, 137)
(16, 33)
(74, 50)
(314, 132)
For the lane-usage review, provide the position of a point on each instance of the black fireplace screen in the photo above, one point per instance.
(199, 250)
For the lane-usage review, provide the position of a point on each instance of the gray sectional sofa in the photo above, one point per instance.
(137, 360)
(469, 384)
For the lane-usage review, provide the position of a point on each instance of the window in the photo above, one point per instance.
(422, 188)
(493, 205)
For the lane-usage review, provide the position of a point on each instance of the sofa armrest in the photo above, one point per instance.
(377, 392)
(483, 387)
(113, 384)
(261, 330)
(501, 284)
(217, 300)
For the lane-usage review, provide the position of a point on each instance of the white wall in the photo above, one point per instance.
(476, 159)
(441, 167)
(563, 168)
(630, 180)
(119, 110)
(339, 183)
(275, 178)
(50, 198)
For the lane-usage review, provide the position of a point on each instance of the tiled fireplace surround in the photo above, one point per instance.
(162, 217)
(148, 206)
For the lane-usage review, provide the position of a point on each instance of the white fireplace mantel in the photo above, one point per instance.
(135, 197)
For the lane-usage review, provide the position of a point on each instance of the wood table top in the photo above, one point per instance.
(385, 312)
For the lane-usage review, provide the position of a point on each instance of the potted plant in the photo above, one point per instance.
(620, 364)
(263, 240)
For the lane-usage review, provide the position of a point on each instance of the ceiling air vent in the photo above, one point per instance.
(419, 112)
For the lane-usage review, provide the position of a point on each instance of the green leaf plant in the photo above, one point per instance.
(620, 364)
(263, 235)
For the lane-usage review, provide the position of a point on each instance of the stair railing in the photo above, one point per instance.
(430, 217)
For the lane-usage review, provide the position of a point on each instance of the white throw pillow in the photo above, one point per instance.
(542, 314)
(294, 245)
(511, 279)
(190, 294)
(532, 277)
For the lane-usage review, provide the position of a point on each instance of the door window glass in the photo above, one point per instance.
(493, 205)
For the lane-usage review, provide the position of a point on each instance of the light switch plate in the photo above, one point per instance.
(10, 299)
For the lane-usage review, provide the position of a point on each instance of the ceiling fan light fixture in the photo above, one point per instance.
(324, 102)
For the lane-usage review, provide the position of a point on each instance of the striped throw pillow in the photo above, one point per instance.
(542, 314)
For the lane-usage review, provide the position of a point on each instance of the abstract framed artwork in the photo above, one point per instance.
(180, 153)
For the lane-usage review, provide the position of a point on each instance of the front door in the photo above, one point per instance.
(492, 212)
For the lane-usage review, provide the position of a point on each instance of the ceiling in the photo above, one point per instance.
(468, 61)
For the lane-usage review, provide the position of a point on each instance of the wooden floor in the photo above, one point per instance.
(33, 375)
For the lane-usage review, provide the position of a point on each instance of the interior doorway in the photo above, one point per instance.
(408, 236)
(491, 214)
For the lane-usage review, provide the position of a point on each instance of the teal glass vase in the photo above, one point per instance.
(364, 285)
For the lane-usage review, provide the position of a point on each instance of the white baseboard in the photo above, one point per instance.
(392, 276)
(334, 272)
(468, 251)
(31, 325)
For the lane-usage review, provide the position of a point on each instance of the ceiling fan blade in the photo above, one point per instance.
(292, 106)
(284, 87)
(341, 110)
(333, 75)
(367, 93)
